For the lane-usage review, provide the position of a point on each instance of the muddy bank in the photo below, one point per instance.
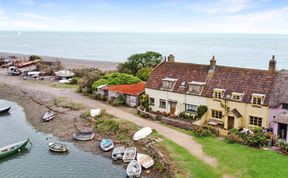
(66, 121)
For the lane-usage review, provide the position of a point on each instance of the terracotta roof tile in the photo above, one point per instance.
(130, 89)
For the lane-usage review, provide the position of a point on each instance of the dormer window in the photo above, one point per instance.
(237, 96)
(218, 93)
(257, 99)
(168, 83)
(196, 87)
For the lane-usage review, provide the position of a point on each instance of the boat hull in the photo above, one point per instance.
(83, 136)
(4, 110)
(17, 148)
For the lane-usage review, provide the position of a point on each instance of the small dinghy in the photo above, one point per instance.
(142, 133)
(118, 153)
(9, 150)
(134, 169)
(145, 160)
(48, 116)
(84, 136)
(129, 154)
(5, 110)
(106, 144)
(58, 147)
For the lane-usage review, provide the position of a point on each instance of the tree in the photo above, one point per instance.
(144, 102)
(201, 110)
(138, 61)
(144, 73)
(115, 79)
(33, 58)
(86, 81)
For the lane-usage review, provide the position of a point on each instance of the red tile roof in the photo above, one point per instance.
(129, 89)
(232, 79)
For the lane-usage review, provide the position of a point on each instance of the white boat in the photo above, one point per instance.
(58, 147)
(145, 160)
(118, 153)
(129, 154)
(84, 136)
(95, 112)
(49, 115)
(134, 169)
(106, 144)
(142, 133)
(5, 110)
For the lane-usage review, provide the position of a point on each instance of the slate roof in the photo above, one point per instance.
(279, 93)
(130, 89)
(232, 79)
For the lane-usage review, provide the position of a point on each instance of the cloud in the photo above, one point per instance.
(221, 6)
(27, 2)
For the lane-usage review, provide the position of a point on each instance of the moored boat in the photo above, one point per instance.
(58, 147)
(4, 110)
(84, 136)
(145, 160)
(129, 154)
(142, 133)
(118, 153)
(106, 144)
(48, 116)
(9, 150)
(134, 169)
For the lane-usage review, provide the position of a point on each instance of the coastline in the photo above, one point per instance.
(70, 63)
(65, 123)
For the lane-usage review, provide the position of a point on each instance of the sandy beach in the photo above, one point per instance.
(70, 63)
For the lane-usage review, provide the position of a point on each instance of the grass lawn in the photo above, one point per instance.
(242, 161)
(188, 165)
(63, 85)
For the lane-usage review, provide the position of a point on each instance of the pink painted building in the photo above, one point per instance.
(278, 113)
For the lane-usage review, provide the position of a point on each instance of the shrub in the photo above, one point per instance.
(235, 136)
(201, 110)
(144, 73)
(283, 146)
(33, 58)
(186, 116)
(257, 139)
(144, 102)
(74, 80)
(205, 131)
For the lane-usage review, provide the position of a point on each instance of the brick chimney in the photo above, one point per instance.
(171, 58)
(272, 64)
(212, 64)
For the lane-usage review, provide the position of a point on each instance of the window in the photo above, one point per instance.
(256, 121)
(196, 87)
(152, 101)
(218, 93)
(162, 103)
(216, 114)
(191, 108)
(257, 99)
(168, 83)
(284, 106)
(237, 96)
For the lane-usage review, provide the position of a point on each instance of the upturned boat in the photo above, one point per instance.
(129, 154)
(58, 147)
(48, 116)
(4, 110)
(134, 169)
(118, 153)
(106, 144)
(142, 133)
(84, 136)
(9, 150)
(145, 160)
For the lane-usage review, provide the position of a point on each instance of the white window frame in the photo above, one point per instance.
(194, 83)
(150, 103)
(237, 94)
(192, 105)
(257, 96)
(162, 100)
(172, 80)
(217, 90)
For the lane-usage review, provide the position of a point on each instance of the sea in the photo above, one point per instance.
(239, 50)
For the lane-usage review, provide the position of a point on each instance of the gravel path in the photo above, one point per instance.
(180, 138)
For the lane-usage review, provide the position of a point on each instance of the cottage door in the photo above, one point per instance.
(282, 131)
(230, 122)
(172, 107)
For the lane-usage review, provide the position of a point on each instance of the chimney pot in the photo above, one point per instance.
(272, 64)
(171, 58)
(212, 63)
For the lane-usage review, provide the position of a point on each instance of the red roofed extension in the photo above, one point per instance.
(129, 89)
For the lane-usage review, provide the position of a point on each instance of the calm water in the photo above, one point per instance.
(39, 161)
(243, 50)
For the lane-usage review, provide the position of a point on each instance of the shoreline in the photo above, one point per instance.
(70, 63)
(65, 123)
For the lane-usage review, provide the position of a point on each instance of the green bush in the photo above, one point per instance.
(144, 102)
(201, 110)
(115, 79)
(184, 115)
(283, 146)
(74, 80)
(205, 131)
(258, 138)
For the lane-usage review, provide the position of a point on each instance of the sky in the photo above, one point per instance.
(179, 16)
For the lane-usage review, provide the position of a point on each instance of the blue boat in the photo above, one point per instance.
(106, 144)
